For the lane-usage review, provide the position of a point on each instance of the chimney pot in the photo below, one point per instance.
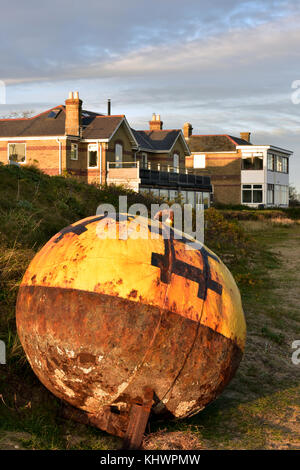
(155, 124)
(73, 114)
(187, 130)
(245, 136)
(108, 107)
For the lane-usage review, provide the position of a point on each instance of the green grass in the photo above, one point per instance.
(256, 409)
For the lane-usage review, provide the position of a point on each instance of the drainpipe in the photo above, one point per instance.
(100, 163)
(59, 158)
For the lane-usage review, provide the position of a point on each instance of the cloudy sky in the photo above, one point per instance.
(225, 66)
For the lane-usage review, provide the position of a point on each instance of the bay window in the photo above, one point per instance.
(252, 194)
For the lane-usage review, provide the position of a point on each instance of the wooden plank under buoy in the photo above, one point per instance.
(138, 419)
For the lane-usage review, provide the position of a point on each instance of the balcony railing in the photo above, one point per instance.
(156, 174)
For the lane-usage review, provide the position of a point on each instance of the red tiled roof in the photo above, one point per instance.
(95, 125)
(215, 143)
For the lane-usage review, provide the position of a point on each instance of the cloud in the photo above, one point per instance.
(227, 66)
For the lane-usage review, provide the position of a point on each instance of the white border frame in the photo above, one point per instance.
(97, 166)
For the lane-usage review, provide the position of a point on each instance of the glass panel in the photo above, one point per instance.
(17, 152)
(270, 162)
(144, 190)
(285, 165)
(144, 160)
(191, 198)
(176, 161)
(173, 194)
(93, 160)
(118, 155)
(199, 161)
(74, 152)
(279, 164)
(206, 200)
(164, 193)
(154, 192)
(247, 196)
(183, 196)
(199, 198)
(257, 195)
(253, 163)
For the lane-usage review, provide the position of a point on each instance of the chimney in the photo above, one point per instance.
(245, 136)
(108, 108)
(187, 130)
(73, 114)
(155, 124)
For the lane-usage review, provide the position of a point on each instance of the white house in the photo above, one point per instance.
(264, 175)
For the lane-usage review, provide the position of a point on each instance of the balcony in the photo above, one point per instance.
(132, 175)
(124, 173)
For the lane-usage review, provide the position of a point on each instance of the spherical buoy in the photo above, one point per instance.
(102, 318)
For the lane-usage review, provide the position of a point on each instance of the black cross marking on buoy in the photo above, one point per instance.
(81, 227)
(169, 265)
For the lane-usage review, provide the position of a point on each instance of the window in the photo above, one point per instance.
(282, 164)
(191, 198)
(270, 194)
(144, 190)
(199, 198)
(183, 195)
(17, 152)
(54, 113)
(176, 162)
(92, 155)
(206, 200)
(252, 163)
(164, 193)
(281, 195)
(285, 165)
(247, 193)
(74, 152)
(119, 155)
(252, 194)
(279, 164)
(154, 192)
(271, 159)
(173, 194)
(144, 160)
(257, 193)
(199, 161)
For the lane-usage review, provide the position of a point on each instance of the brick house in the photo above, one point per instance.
(241, 172)
(103, 149)
(162, 157)
(68, 139)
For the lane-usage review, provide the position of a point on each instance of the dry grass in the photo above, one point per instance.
(174, 440)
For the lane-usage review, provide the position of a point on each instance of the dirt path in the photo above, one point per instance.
(260, 409)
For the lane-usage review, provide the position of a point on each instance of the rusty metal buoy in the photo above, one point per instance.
(103, 321)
